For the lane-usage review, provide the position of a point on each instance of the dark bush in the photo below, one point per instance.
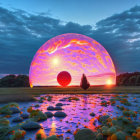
(128, 79)
(14, 81)
(84, 82)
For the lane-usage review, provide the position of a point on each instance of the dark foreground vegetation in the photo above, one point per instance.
(107, 126)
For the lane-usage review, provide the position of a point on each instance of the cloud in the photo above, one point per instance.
(120, 35)
(22, 33)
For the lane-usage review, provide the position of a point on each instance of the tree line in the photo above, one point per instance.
(125, 79)
(14, 81)
(128, 79)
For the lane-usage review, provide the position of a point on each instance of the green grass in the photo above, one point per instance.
(69, 90)
(27, 94)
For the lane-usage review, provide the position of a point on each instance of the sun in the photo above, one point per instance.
(55, 61)
(109, 82)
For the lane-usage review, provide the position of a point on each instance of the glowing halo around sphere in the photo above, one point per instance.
(76, 54)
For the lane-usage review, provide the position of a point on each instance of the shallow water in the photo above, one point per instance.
(78, 112)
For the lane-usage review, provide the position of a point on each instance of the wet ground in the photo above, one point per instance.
(78, 112)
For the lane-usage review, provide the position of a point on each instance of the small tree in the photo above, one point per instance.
(84, 82)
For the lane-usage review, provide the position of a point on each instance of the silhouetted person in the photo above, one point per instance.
(84, 82)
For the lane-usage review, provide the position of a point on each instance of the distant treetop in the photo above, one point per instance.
(128, 79)
(14, 81)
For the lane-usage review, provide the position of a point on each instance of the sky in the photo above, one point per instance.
(26, 25)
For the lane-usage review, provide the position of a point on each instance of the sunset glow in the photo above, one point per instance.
(55, 61)
(109, 82)
(76, 54)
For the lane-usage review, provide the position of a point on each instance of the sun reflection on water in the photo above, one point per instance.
(78, 113)
(53, 129)
(42, 132)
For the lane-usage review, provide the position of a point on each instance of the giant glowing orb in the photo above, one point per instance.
(64, 78)
(76, 54)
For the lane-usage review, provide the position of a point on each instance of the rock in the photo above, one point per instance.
(105, 132)
(73, 98)
(92, 114)
(49, 98)
(136, 123)
(37, 105)
(104, 118)
(60, 114)
(17, 135)
(14, 110)
(5, 110)
(112, 130)
(39, 136)
(24, 116)
(40, 101)
(17, 119)
(4, 122)
(41, 116)
(104, 103)
(13, 104)
(37, 115)
(120, 135)
(95, 122)
(52, 138)
(31, 125)
(114, 122)
(99, 136)
(138, 129)
(3, 132)
(9, 109)
(50, 108)
(62, 100)
(49, 114)
(58, 108)
(59, 104)
(54, 108)
(129, 113)
(104, 128)
(85, 134)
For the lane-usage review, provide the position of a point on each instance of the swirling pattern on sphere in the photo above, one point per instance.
(76, 54)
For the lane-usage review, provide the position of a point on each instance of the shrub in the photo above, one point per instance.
(84, 82)
(85, 134)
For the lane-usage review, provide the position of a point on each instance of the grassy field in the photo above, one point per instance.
(26, 94)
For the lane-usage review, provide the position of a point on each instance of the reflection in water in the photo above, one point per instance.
(85, 100)
(92, 123)
(78, 112)
(42, 132)
(53, 129)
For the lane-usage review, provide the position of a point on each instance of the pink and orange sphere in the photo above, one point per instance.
(75, 54)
